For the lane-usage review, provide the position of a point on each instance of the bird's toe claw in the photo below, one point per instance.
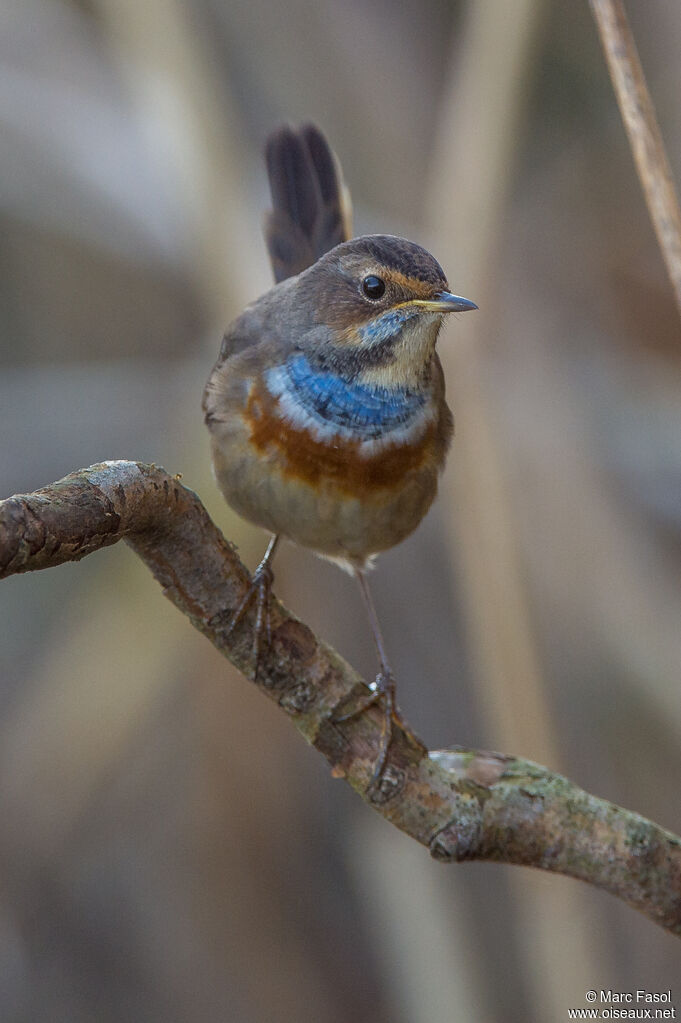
(382, 691)
(260, 590)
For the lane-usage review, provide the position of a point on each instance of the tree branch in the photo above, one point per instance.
(462, 804)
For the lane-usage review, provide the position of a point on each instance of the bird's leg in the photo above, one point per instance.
(260, 589)
(384, 686)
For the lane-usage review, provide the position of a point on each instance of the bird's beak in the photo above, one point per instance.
(445, 302)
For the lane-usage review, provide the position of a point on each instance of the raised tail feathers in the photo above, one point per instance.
(311, 210)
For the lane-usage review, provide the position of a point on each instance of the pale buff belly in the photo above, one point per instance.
(337, 522)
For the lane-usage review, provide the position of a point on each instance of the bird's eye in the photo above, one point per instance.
(373, 287)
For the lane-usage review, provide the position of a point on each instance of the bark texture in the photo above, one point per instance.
(460, 803)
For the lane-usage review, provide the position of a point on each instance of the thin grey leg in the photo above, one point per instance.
(385, 683)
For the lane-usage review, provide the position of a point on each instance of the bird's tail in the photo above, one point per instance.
(311, 209)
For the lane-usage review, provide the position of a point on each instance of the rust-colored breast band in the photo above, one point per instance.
(338, 460)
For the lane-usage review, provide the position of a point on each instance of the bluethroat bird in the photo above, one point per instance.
(326, 406)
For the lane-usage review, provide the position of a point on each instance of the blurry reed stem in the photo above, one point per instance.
(638, 114)
(482, 117)
(187, 111)
(487, 112)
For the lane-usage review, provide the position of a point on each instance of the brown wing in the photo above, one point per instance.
(311, 210)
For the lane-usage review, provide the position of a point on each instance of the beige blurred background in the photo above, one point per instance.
(169, 848)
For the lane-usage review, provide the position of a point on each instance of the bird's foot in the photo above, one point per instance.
(260, 590)
(382, 691)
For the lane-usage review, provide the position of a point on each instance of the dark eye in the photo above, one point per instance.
(373, 287)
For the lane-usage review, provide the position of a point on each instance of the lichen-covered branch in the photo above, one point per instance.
(461, 804)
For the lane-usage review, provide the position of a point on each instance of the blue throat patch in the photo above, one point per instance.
(367, 410)
(388, 325)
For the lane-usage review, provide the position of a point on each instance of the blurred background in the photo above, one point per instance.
(170, 850)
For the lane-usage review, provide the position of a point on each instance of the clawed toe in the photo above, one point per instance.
(383, 691)
(260, 589)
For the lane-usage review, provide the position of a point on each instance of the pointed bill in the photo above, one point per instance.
(445, 302)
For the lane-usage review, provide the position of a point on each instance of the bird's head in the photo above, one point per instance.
(378, 302)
